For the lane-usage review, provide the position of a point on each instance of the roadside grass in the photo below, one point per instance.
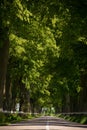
(8, 118)
(82, 119)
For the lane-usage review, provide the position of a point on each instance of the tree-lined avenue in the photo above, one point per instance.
(43, 57)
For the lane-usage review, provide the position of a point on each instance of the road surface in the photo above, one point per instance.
(45, 123)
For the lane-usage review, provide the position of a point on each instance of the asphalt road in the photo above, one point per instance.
(45, 123)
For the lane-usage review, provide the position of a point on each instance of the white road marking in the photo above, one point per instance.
(47, 125)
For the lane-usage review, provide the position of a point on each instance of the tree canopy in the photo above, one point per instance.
(43, 50)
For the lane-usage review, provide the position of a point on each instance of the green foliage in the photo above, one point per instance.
(2, 117)
(75, 118)
(48, 49)
(13, 117)
(83, 120)
(7, 118)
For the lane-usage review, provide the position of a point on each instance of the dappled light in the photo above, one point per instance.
(43, 59)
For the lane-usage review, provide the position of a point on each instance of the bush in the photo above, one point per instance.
(2, 117)
(8, 118)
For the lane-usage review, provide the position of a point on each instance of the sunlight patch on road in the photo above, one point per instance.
(47, 126)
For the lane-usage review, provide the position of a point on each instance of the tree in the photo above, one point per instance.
(43, 52)
(4, 47)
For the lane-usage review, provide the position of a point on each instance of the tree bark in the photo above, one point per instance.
(8, 94)
(83, 93)
(4, 52)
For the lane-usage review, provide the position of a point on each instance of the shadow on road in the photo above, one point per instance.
(51, 121)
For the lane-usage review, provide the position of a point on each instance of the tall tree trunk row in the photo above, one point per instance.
(4, 52)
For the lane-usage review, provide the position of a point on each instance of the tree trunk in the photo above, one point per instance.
(4, 52)
(8, 94)
(67, 102)
(74, 103)
(83, 93)
(32, 105)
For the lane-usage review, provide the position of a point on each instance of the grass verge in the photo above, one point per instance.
(82, 119)
(8, 118)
